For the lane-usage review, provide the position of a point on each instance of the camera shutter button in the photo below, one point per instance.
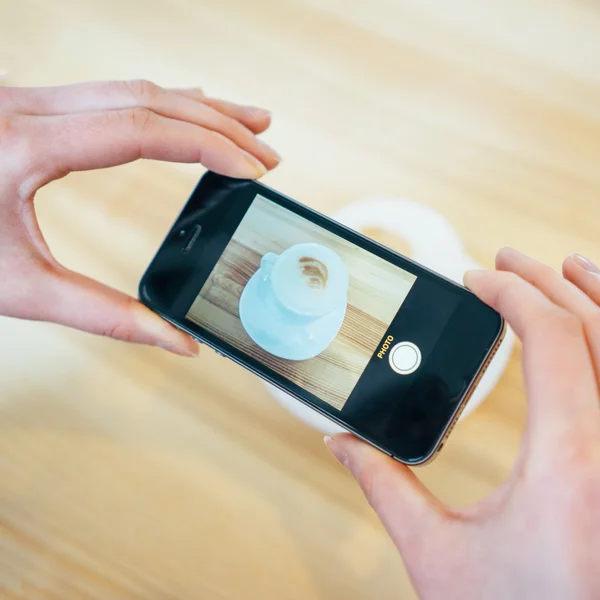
(405, 358)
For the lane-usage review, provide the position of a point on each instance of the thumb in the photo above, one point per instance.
(77, 301)
(406, 508)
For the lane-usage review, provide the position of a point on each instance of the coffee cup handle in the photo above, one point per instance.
(267, 262)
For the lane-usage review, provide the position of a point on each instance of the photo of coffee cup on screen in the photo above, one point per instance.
(294, 305)
(306, 303)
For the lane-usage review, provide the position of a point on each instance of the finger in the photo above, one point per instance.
(559, 374)
(254, 118)
(408, 511)
(584, 274)
(548, 281)
(88, 97)
(96, 96)
(76, 301)
(559, 290)
(96, 140)
(176, 105)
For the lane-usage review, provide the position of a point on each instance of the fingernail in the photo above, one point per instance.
(178, 349)
(257, 167)
(257, 113)
(336, 450)
(269, 149)
(585, 263)
(470, 276)
(163, 334)
(510, 250)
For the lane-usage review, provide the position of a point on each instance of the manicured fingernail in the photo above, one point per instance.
(336, 450)
(269, 149)
(257, 113)
(255, 165)
(585, 263)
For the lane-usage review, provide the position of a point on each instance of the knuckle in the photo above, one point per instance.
(7, 130)
(124, 329)
(119, 331)
(18, 145)
(139, 118)
(142, 90)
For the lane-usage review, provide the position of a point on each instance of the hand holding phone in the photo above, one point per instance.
(46, 133)
(538, 535)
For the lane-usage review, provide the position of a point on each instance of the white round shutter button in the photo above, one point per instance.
(405, 358)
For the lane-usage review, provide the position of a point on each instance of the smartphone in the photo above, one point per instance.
(382, 346)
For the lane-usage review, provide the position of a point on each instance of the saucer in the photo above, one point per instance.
(267, 325)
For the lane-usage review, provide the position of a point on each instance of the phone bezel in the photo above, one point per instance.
(180, 270)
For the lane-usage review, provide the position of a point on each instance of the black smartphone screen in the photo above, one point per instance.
(376, 342)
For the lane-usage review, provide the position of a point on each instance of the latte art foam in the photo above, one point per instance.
(308, 279)
(314, 272)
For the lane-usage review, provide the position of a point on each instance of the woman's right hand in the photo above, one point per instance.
(538, 535)
(45, 133)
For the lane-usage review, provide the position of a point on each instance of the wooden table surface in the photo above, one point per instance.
(126, 473)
